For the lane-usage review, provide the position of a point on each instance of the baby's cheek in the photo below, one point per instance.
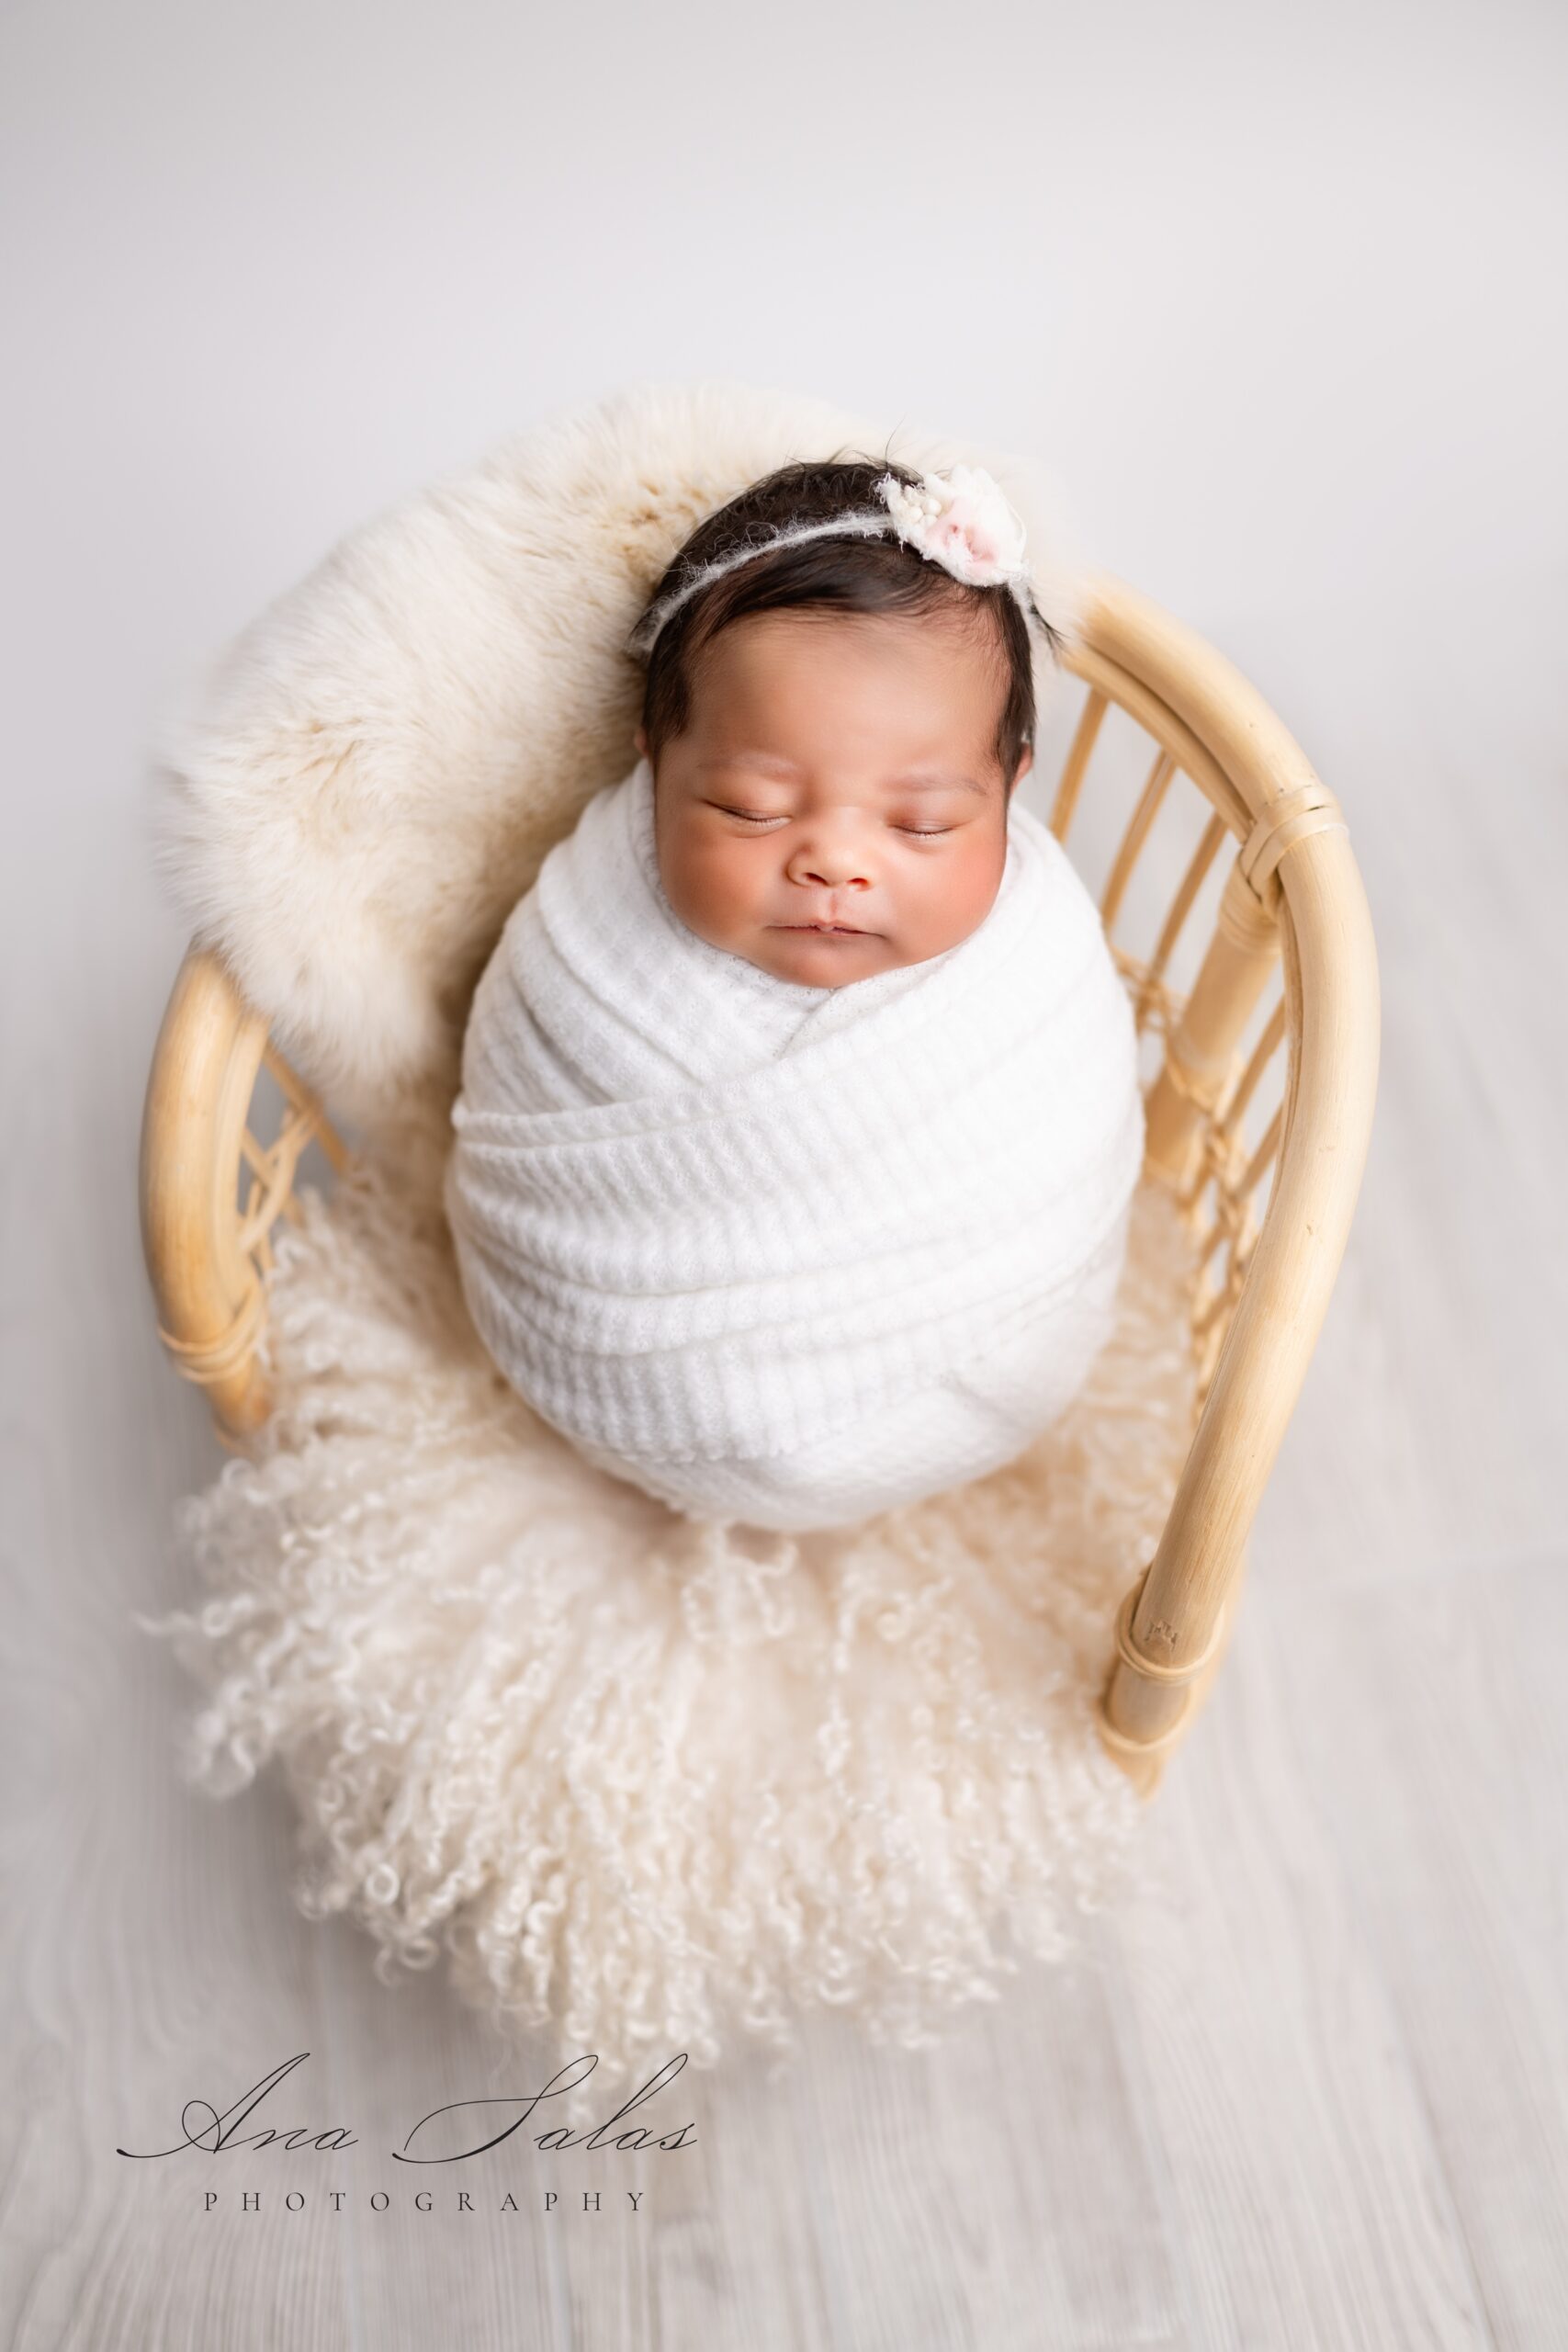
(711, 888)
(958, 894)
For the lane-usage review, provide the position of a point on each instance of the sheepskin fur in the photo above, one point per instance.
(647, 1781)
(653, 1783)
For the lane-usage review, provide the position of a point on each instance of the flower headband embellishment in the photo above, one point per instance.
(961, 519)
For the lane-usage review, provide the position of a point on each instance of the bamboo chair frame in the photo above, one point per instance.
(1291, 910)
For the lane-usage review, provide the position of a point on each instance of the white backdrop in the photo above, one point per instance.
(1278, 291)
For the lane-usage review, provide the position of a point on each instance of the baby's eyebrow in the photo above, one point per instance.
(786, 768)
(938, 784)
(751, 760)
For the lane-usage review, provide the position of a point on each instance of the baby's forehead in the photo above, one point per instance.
(806, 636)
(810, 682)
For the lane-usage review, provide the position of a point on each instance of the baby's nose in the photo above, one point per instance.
(832, 865)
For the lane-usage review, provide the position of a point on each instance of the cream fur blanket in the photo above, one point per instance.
(651, 1785)
(787, 1254)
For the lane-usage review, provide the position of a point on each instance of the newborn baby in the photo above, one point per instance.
(799, 1113)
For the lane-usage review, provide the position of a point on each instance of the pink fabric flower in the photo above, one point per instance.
(961, 519)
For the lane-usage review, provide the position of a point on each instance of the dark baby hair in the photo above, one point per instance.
(873, 575)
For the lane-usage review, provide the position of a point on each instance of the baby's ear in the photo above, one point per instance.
(1024, 764)
(642, 742)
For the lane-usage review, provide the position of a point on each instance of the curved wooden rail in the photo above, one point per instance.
(206, 1254)
(1295, 879)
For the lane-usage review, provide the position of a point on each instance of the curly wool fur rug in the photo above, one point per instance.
(647, 1779)
(649, 1782)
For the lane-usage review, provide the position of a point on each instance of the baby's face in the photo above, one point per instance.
(835, 806)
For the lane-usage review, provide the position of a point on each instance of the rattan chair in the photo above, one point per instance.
(1283, 987)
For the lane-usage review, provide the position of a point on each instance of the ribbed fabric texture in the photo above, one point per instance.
(785, 1252)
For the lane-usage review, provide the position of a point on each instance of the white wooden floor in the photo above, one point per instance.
(1314, 2090)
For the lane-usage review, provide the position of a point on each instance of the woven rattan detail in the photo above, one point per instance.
(1152, 1670)
(207, 1361)
(1312, 809)
(1136, 1749)
(223, 1360)
(1203, 1089)
(273, 1165)
(1226, 1171)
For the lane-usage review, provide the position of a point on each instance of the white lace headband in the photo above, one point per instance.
(961, 519)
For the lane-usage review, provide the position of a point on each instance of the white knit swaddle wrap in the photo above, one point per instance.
(787, 1254)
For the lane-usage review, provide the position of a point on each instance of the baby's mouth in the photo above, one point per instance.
(843, 930)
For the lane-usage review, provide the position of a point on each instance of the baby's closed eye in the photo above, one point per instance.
(773, 817)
